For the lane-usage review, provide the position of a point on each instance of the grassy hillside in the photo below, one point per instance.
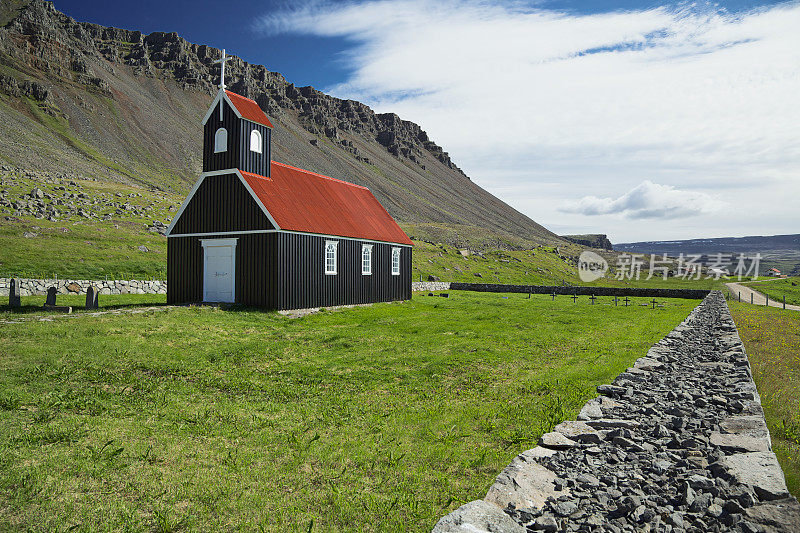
(777, 289)
(196, 418)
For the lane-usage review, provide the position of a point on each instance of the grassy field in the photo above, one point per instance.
(772, 339)
(379, 418)
(776, 289)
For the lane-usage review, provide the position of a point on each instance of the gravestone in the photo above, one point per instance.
(50, 304)
(51, 297)
(13, 293)
(92, 297)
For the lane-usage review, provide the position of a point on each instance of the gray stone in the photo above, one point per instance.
(611, 423)
(588, 479)
(545, 523)
(51, 296)
(578, 431)
(648, 364)
(13, 294)
(753, 426)
(696, 481)
(477, 517)
(557, 441)
(92, 299)
(565, 508)
(732, 443)
(779, 515)
(661, 465)
(759, 470)
(524, 483)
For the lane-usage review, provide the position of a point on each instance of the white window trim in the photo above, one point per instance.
(335, 270)
(395, 250)
(260, 145)
(216, 144)
(365, 248)
(219, 242)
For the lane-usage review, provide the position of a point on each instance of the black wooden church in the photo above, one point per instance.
(261, 233)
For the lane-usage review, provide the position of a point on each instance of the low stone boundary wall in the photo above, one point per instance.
(33, 287)
(677, 443)
(430, 285)
(581, 290)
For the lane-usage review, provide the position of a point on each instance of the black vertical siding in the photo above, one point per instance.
(184, 270)
(256, 270)
(238, 154)
(221, 203)
(230, 158)
(287, 271)
(302, 281)
(253, 161)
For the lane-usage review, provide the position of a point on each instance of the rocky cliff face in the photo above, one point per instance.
(122, 105)
(594, 240)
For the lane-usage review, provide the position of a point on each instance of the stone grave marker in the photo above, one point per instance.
(92, 297)
(50, 304)
(13, 293)
(52, 292)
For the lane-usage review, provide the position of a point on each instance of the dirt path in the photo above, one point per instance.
(758, 298)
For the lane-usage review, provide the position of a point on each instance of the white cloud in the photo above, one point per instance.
(523, 97)
(648, 200)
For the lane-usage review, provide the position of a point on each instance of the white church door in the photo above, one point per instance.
(219, 270)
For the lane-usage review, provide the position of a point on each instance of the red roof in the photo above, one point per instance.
(300, 200)
(248, 109)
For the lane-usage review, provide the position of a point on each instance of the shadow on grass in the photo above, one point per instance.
(29, 309)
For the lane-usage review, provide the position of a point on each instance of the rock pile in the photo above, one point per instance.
(677, 443)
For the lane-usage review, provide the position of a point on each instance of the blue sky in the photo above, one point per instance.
(643, 120)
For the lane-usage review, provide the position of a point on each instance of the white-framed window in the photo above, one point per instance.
(255, 141)
(330, 257)
(221, 141)
(366, 259)
(395, 261)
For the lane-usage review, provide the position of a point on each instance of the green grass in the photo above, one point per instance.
(379, 418)
(772, 339)
(777, 289)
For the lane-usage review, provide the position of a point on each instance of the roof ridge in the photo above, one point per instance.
(241, 96)
(319, 175)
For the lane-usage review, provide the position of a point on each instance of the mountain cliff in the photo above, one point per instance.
(122, 106)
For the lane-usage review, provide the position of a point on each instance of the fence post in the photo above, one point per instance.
(740, 296)
(784, 301)
(751, 297)
(767, 301)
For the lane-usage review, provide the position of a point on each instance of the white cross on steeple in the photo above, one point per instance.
(222, 61)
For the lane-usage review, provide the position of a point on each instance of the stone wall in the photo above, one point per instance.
(581, 291)
(678, 443)
(31, 287)
(430, 285)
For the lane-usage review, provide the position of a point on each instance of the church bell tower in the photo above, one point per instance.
(236, 132)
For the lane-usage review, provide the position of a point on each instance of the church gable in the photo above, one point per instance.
(221, 203)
